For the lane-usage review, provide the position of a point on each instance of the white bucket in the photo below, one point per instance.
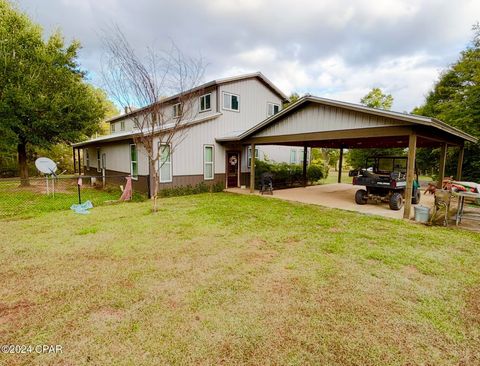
(422, 214)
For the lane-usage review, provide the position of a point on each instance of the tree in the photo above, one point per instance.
(291, 99)
(455, 99)
(111, 110)
(144, 82)
(44, 98)
(375, 98)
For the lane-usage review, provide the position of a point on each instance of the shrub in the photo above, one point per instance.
(315, 172)
(201, 187)
(284, 174)
(288, 175)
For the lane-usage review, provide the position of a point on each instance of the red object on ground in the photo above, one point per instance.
(127, 191)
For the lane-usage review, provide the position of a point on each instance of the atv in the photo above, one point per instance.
(385, 179)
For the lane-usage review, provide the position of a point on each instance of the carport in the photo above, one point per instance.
(321, 122)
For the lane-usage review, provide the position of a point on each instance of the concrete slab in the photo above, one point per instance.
(339, 195)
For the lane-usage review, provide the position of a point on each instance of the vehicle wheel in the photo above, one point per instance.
(361, 197)
(416, 197)
(396, 201)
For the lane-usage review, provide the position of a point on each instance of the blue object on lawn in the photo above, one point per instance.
(82, 208)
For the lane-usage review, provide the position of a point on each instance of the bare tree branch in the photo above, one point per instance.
(146, 83)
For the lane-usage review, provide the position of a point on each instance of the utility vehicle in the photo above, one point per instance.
(385, 180)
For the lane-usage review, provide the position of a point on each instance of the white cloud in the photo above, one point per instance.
(338, 48)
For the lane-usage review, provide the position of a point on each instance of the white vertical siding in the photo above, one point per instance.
(194, 112)
(254, 96)
(187, 157)
(315, 117)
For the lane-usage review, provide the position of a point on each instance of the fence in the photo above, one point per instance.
(53, 194)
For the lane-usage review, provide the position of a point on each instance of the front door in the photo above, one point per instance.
(233, 164)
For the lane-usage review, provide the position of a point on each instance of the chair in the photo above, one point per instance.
(441, 206)
(266, 183)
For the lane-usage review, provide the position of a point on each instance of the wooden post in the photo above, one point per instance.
(441, 169)
(340, 165)
(461, 152)
(252, 169)
(304, 171)
(74, 161)
(412, 149)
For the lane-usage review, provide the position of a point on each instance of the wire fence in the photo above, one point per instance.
(41, 194)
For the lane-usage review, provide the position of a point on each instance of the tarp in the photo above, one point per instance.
(127, 192)
(82, 208)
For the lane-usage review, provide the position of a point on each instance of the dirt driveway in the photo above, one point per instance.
(339, 195)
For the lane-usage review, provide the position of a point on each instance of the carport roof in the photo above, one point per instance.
(397, 116)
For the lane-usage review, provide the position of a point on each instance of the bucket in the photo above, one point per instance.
(422, 214)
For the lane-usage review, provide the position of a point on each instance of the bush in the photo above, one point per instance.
(187, 190)
(284, 174)
(288, 175)
(315, 172)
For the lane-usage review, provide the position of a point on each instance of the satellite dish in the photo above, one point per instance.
(46, 165)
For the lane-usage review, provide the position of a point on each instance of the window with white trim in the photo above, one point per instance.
(112, 127)
(272, 109)
(99, 168)
(205, 104)
(249, 156)
(122, 125)
(133, 161)
(87, 158)
(177, 110)
(208, 162)
(231, 102)
(293, 156)
(165, 164)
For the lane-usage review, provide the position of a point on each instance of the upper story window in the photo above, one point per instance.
(272, 109)
(205, 102)
(177, 110)
(122, 126)
(231, 102)
(112, 127)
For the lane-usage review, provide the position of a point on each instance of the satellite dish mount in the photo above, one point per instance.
(48, 167)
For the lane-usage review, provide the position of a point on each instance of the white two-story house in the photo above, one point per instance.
(226, 107)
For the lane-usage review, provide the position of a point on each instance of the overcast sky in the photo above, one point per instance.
(338, 49)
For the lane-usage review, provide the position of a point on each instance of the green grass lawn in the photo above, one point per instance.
(333, 177)
(220, 278)
(16, 201)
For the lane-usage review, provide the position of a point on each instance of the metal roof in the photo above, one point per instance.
(215, 82)
(412, 118)
(131, 134)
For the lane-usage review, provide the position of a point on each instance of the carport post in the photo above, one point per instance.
(304, 171)
(461, 152)
(412, 150)
(252, 169)
(443, 159)
(340, 163)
